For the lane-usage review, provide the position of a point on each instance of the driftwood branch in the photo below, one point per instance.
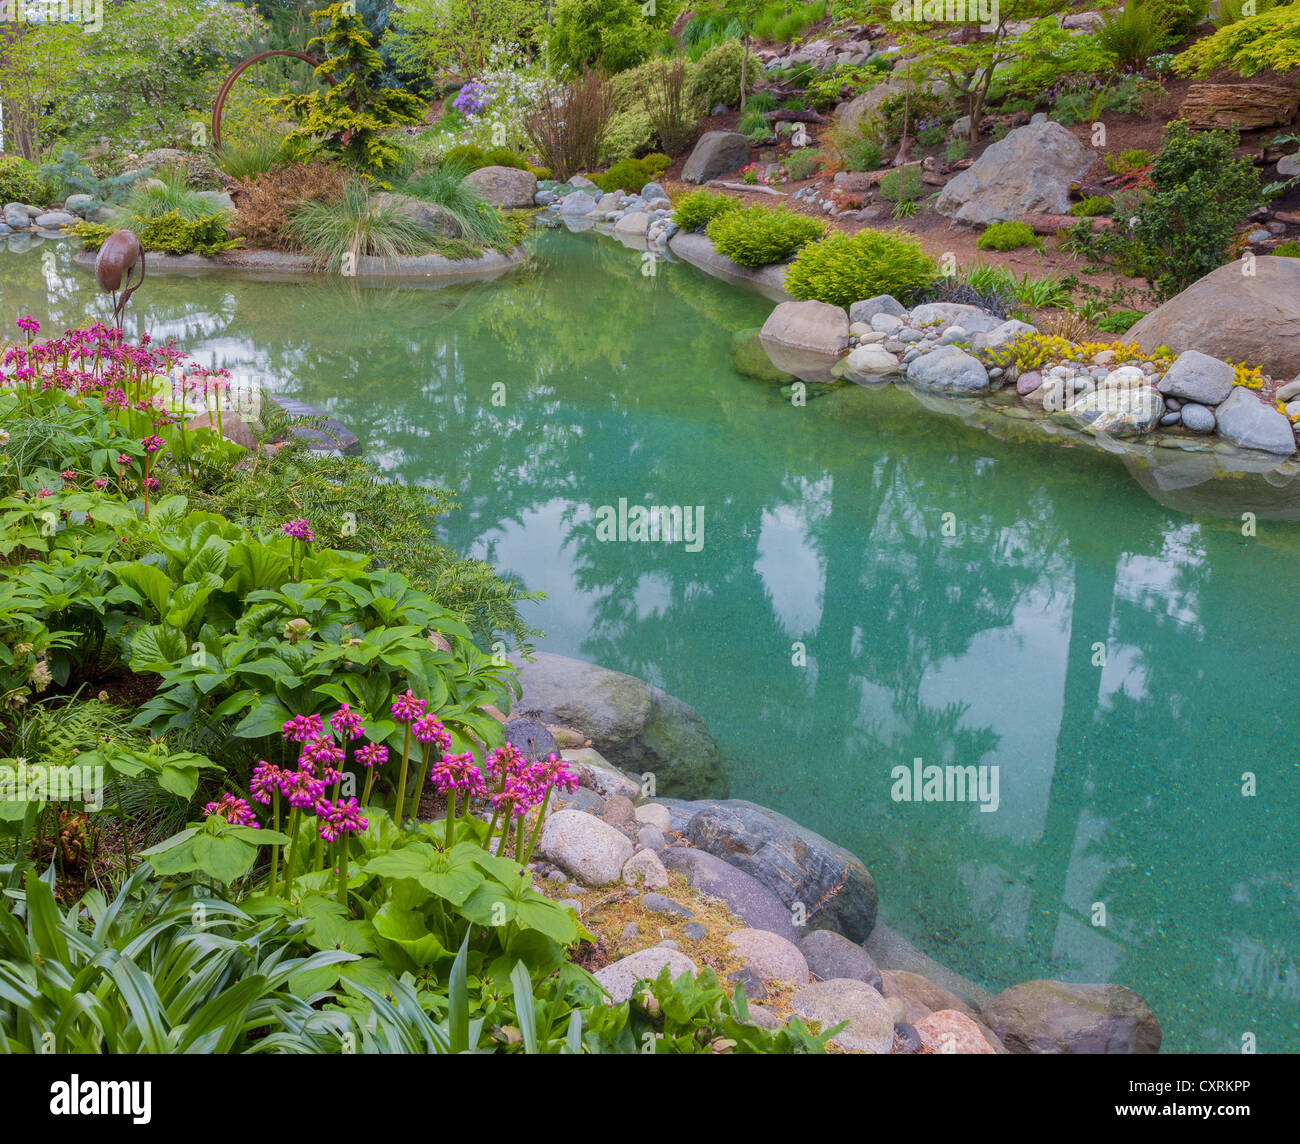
(758, 187)
(793, 115)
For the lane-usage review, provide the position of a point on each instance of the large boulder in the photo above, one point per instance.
(633, 725)
(429, 217)
(715, 154)
(1246, 317)
(744, 895)
(1195, 376)
(506, 187)
(1249, 423)
(1028, 172)
(1060, 1017)
(850, 115)
(585, 847)
(948, 369)
(816, 327)
(827, 884)
(870, 1024)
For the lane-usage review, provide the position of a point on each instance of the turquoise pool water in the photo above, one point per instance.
(1119, 783)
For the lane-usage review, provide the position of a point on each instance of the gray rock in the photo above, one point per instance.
(755, 990)
(948, 369)
(105, 215)
(1037, 118)
(716, 153)
(16, 216)
(618, 811)
(577, 204)
(910, 336)
(217, 200)
(78, 204)
(507, 187)
(645, 869)
(1290, 391)
(1119, 411)
(582, 183)
(952, 335)
(744, 895)
(696, 931)
(1289, 166)
(885, 323)
(631, 932)
(572, 903)
(1004, 335)
(1171, 418)
(636, 222)
(629, 722)
(429, 217)
(871, 363)
(1252, 318)
(1250, 424)
(870, 1025)
(652, 838)
(911, 356)
(812, 326)
(5, 229)
(833, 887)
(1028, 172)
(661, 905)
(909, 1040)
(589, 849)
(830, 955)
(769, 955)
(580, 799)
(970, 318)
(544, 198)
(1060, 1017)
(1195, 376)
(653, 191)
(531, 737)
(655, 815)
(619, 978)
(53, 220)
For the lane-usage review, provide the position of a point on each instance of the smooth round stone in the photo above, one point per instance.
(911, 356)
(1126, 374)
(909, 1038)
(1293, 409)
(995, 372)
(909, 335)
(696, 931)
(1173, 404)
(1197, 418)
(1028, 382)
(1174, 418)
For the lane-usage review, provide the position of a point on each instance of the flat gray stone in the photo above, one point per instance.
(584, 846)
(870, 1023)
(831, 955)
(1195, 376)
(619, 978)
(1250, 424)
(948, 369)
(769, 955)
(661, 905)
(744, 895)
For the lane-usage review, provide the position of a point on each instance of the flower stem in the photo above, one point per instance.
(401, 779)
(537, 830)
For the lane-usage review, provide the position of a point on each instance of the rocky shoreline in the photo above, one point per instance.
(803, 911)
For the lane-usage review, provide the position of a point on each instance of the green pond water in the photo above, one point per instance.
(1119, 783)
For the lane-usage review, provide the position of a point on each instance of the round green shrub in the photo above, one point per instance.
(21, 182)
(1007, 236)
(610, 34)
(1092, 205)
(1179, 17)
(715, 78)
(842, 269)
(697, 209)
(630, 133)
(760, 236)
(903, 184)
(632, 174)
(1290, 249)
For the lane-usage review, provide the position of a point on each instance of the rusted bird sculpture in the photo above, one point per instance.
(117, 258)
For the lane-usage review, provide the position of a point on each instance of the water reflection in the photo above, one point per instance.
(956, 598)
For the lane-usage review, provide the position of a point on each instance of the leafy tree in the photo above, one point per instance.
(352, 115)
(432, 36)
(968, 68)
(610, 34)
(1267, 42)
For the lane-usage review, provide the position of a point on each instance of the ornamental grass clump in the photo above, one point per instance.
(356, 224)
(760, 236)
(842, 269)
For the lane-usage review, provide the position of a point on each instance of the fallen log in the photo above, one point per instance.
(793, 115)
(761, 188)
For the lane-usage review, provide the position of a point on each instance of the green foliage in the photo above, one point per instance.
(1007, 236)
(917, 107)
(356, 224)
(246, 158)
(696, 209)
(1186, 225)
(1288, 249)
(1178, 17)
(470, 157)
(69, 175)
(859, 152)
(843, 269)
(1134, 159)
(1120, 321)
(153, 201)
(354, 115)
(1086, 101)
(608, 34)
(715, 78)
(631, 133)
(1230, 11)
(1132, 33)
(903, 184)
(631, 175)
(1092, 205)
(477, 220)
(168, 233)
(1269, 41)
(21, 182)
(431, 37)
(760, 236)
(780, 21)
(955, 150)
(1049, 54)
(802, 163)
(753, 126)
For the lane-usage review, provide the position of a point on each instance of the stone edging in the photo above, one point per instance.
(427, 267)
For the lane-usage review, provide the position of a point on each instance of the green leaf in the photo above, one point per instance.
(157, 648)
(525, 1013)
(151, 583)
(267, 718)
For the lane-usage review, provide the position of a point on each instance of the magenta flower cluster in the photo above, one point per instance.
(234, 810)
(299, 530)
(521, 785)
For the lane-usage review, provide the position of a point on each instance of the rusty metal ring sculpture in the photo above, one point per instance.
(219, 103)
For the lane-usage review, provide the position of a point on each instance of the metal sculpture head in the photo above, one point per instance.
(117, 258)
